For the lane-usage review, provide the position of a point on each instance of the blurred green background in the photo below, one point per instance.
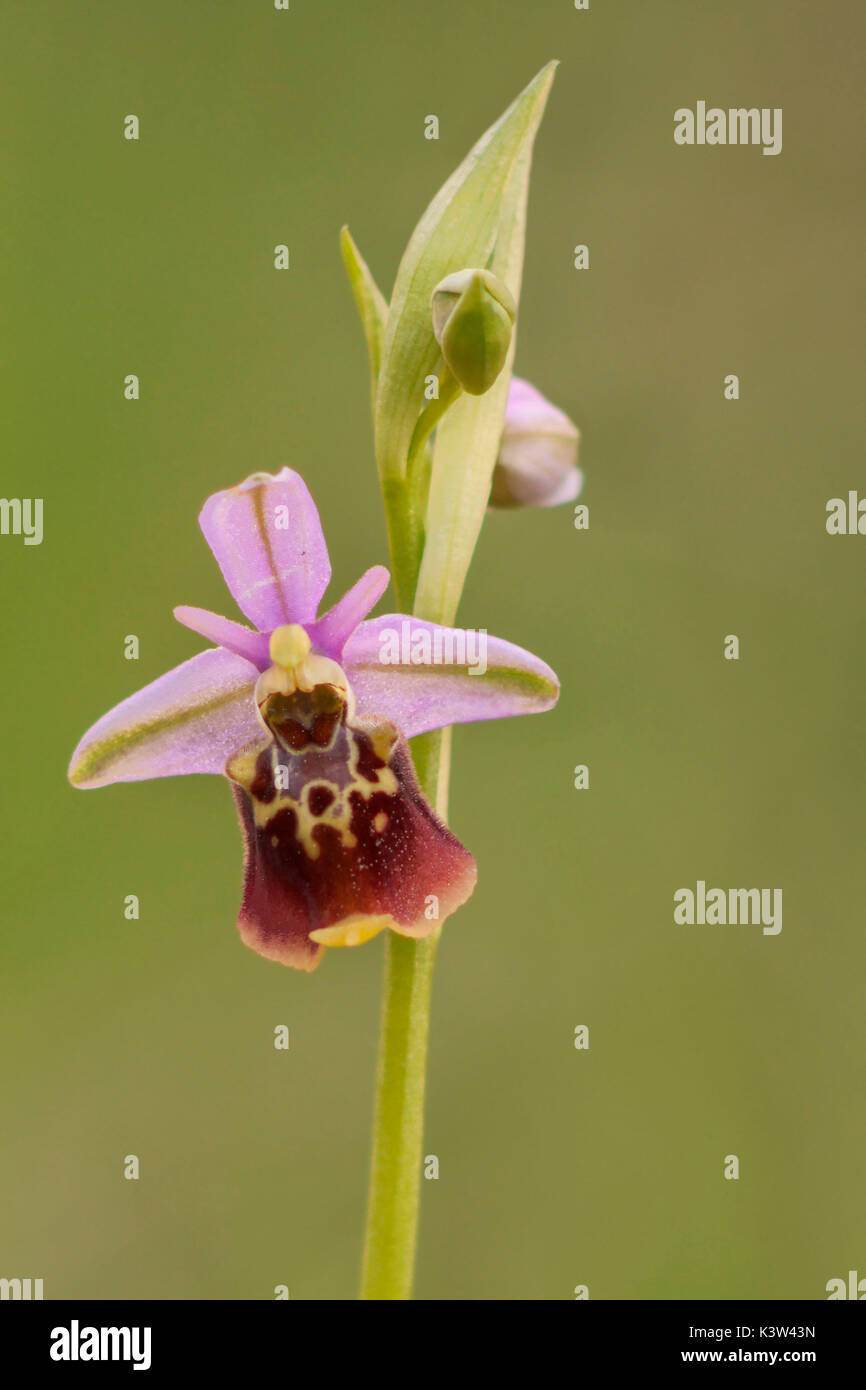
(155, 1037)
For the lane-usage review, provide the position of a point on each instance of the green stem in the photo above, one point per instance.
(405, 539)
(392, 1214)
(398, 1124)
(398, 1121)
(449, 390)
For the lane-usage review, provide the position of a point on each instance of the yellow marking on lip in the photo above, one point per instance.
(354, 931)
(338, 814)
(242, 768)
(383, 738)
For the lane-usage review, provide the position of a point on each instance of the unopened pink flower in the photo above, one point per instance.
(537, 463)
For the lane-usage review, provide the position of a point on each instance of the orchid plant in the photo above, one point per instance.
(308, 716)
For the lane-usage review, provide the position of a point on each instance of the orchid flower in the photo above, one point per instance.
(308, 718)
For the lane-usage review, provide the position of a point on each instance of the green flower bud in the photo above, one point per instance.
(473, 320)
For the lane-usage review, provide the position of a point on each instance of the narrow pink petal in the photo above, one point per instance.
(192, 719)
(267, 540)
(252, 646)
(330, 634)
(418, 675)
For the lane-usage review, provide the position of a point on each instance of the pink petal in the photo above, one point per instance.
(252, 646)
(192, 719)
(330, 634)
(430, 694)
(528, 409)
(267, 540)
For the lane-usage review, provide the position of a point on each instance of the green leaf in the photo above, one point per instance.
(468, 437)
(372, 305)
(468, 223)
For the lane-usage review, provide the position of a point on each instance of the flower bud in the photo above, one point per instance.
(538, 453)
(473, 319)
